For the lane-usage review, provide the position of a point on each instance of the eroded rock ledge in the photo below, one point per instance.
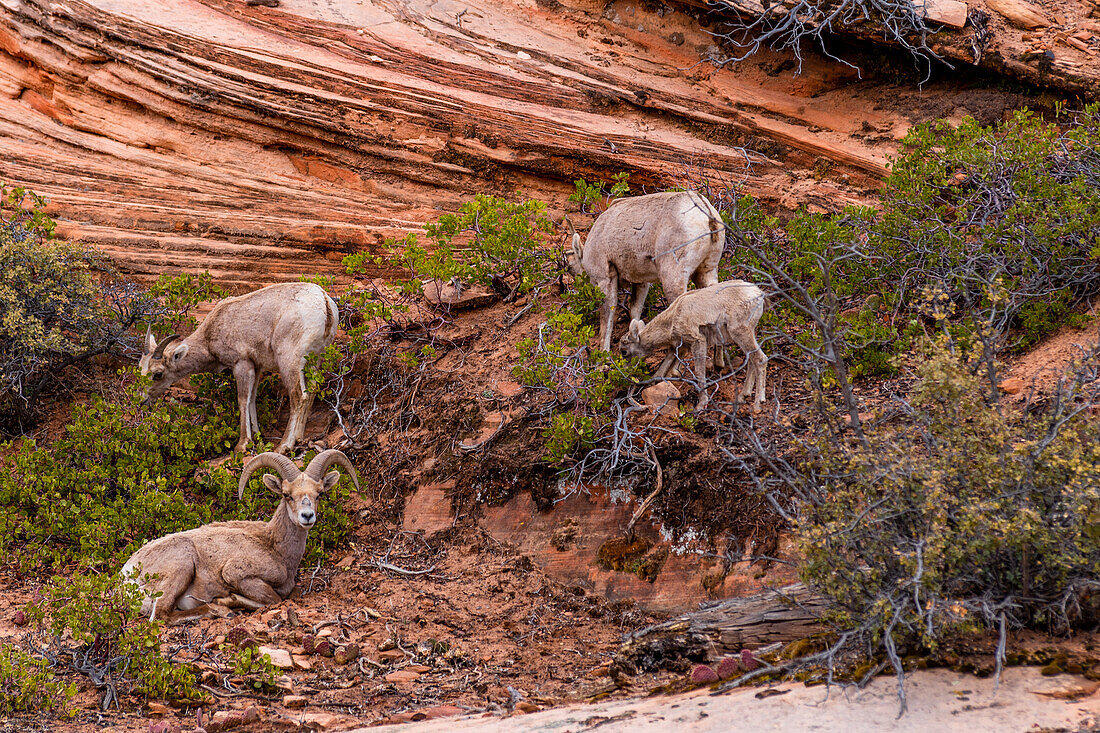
(263, 143)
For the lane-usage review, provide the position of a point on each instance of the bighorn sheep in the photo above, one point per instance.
(270, 329)
(216, 568)
(711, 316)
(670, 238)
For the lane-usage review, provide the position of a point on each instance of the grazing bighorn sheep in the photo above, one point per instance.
(711, 316)
(672, 238)
(270, 329)
(219, 567)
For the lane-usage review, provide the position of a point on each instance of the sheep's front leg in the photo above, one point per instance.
(254, 420)
(638, 294)
(610, 288)
(699, 357)
(245, 374)
(255, 593)
(662, 370)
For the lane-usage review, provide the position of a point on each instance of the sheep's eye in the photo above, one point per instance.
(157, 376)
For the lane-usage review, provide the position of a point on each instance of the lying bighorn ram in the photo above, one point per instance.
(671, 238)
(712, 316)
(216, 568)
(270, 329)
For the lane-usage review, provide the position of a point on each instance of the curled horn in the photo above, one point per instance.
(280, 463)
(321, 462)
(159, 351)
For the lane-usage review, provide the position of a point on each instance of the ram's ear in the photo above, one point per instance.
(150, 341)
(273, 482)
(578, 250)
(179, 352)
(636, 327)
(329, 480)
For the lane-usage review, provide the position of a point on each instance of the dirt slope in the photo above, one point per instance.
(260, 143)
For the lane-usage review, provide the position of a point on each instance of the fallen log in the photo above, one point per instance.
(778, 616)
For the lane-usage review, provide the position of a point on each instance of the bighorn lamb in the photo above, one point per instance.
(216, 568)
(670, 238)
(270, 329)
(711, 316)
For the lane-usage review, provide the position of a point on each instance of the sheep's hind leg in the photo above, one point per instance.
(245, 374)
(755, 367)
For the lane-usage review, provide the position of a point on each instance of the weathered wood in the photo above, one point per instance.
(778, 616)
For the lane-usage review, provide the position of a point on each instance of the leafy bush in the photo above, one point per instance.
(583, 382)
(1005, 219)
(95, 623)
(178, 295)
(27, 685)
(596, 197)
(963, 517)
(490, 241)
(61, 304)
(122, 474)
(256, 668)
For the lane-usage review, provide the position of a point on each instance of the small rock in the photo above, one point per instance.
(391, 655)
(301, 662)
(279, 657)
(345, 561)
(1012, 385)
(19, 618)
(419, 668)
(527, 707)
(523, 55)
(457, 295)
(386, 644)
(322, 721)
(156, 708)
(728, 667)
(703, 674)
(295, 701)
(402, 675)
(676, 38)
(663, 397)
(600, 671)
(440, 711)
(163, 726)
(270, 618)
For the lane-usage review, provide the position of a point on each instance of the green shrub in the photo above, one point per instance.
(964, 517)
(60, 304)
(490, 241)
(596, 197)
(122, 474)
(256, 668)
(96, 624)
(583, 382)
(1006, 219)
(28, 686)
(178, 295)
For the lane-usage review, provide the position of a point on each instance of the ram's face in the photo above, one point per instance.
(302, 495)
